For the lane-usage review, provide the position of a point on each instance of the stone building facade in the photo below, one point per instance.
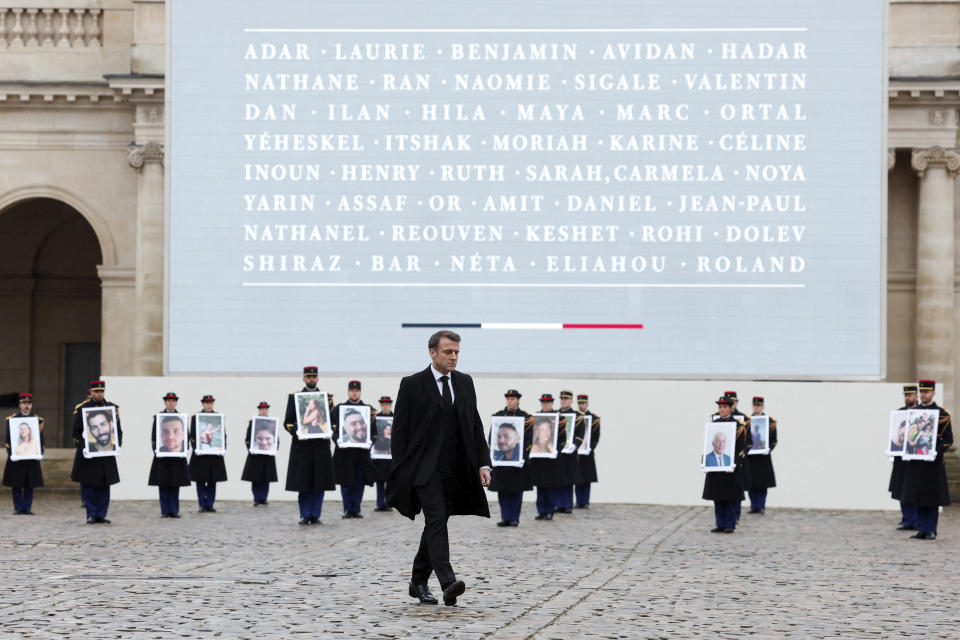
(82, 134)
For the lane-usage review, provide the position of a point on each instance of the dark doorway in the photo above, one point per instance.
(81, 365)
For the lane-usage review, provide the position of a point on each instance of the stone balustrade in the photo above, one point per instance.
(53, 28)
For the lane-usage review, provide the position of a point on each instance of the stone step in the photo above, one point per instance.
(57, 464)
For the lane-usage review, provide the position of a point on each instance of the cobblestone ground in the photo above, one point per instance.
(614, 571)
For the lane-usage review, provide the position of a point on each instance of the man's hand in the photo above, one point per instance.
(485, 477)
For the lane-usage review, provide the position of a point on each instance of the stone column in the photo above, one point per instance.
(937, 167)
(148, 334)
(117, 286)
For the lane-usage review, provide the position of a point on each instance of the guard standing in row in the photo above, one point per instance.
(510, 482)
(908, 512)
(726, 489)
(259, 470)
(381, 466)
(587, 463)
(169, 474)
(546, 473)
(23, 476)
(742, 472)
(95, 475)
(925, 482)
(351, 466)
(760, 476)
(568, 460)
(206, 470)
(310, 467)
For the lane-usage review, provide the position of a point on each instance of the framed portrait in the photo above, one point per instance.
(920, 442)
(585, 449)
(100, 432)
(506, 441)
(263, 435)
(759, 436)
(381, 448)
(211, 434)
(571, 426)
(354, 427)
(719, 447)
(171, 435)
(24, 438)
(897, 434)
(546, 428)
(313, 415)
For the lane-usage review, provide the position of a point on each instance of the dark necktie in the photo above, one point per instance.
(447, 395)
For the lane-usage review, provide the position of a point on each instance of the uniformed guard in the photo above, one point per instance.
(206, 470)
(95, 475)
(259, 470)
(310, 467)
(351, 466)
(925, 482)
(169, 474)
(742, 472)
(509, 483)
(908, 512)
(381, 466)
(23, 476)
(587, 463)
(547, 473)
(568, 459)
(760, 466)
(726, 489)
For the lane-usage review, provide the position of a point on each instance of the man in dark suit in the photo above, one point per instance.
(441, 461)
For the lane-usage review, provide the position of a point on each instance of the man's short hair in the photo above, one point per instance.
(351, 412)
(94, 414)
(443, 333)
(507, 425)
(171, 419)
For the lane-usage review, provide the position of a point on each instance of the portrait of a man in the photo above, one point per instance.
(718, 446)
(100, 432)
(354, 426)
(171, 435)
(382, 448)
(506, 446)
(264, 437)
(759, 435)
(313, 415)
(210, 434)
(898, 433)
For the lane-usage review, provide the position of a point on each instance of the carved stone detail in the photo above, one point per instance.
(923, 158)
(142, 154)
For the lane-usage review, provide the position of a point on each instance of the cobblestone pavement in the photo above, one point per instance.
(615, 571)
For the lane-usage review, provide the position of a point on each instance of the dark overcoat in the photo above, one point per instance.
(925, 483)
(93, 472)
(513, 479)
(310, 467)
(546, 473)
(206, 468)
(569, 460)
(380, 466)
(760, 466)
(587, 463)
(417, 409)
(166, 472)
(895, 486)
(22, 473)
(258, 468)
(723, 485)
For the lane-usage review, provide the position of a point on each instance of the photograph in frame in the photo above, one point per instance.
(920, 442)
(354, 427)
(897, 434)
(171, 435)
(506, 441)
(571, 427)
(211, 434)
(263, 435)
(719, 447)
(585, 449)
(24, 438)
(546, 427)
(313, 415)
(759, 436)
(100, 432)
(381, 449)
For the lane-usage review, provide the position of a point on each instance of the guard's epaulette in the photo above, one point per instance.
(77, 406)
(12, 415)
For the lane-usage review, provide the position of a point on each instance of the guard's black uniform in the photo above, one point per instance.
(724, 488)
(510, 482)
(587, 464)
(351, 465)
(742, 472)
(547, 475)
(259, 470)
(925, 483)
(206, 470)
(22, 476)
(760, 476)
(380, 466)
(310, 467)
(569, 463)
(95, 475)
(908, 512)
(169, 474)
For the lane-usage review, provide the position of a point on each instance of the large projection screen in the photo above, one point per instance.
(686, 188)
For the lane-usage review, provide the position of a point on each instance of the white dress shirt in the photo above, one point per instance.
(436, 376)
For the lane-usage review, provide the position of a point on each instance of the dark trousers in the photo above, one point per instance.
(22, 498)
(96, 500)
(565, 497)
(510, 504)
(311, 503)
(206, 493)
(352, 494)
(726, 513)
(927, 518)
(737, 509)
(583, 495)
(382, 494)
(434, 552)
(260, 490)
(545, 501)
(169, 500)
(758, 499)
(908, 514)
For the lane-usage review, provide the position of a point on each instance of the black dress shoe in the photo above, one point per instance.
(924, 535)
(452, 591)
(346, 516)
(565, 510)
(728, 530)
(164, 515)
(356, 515)
(906, 527)
(173, 515)
(383, 509)
(582, 506)
(716, 530)
(514, 523)
(422, 593)
(544, 516)
(211, 510)
(503, 523)
(315, 520)
(306, 521)
(103, 521)
(92, 521)
(754, 511)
